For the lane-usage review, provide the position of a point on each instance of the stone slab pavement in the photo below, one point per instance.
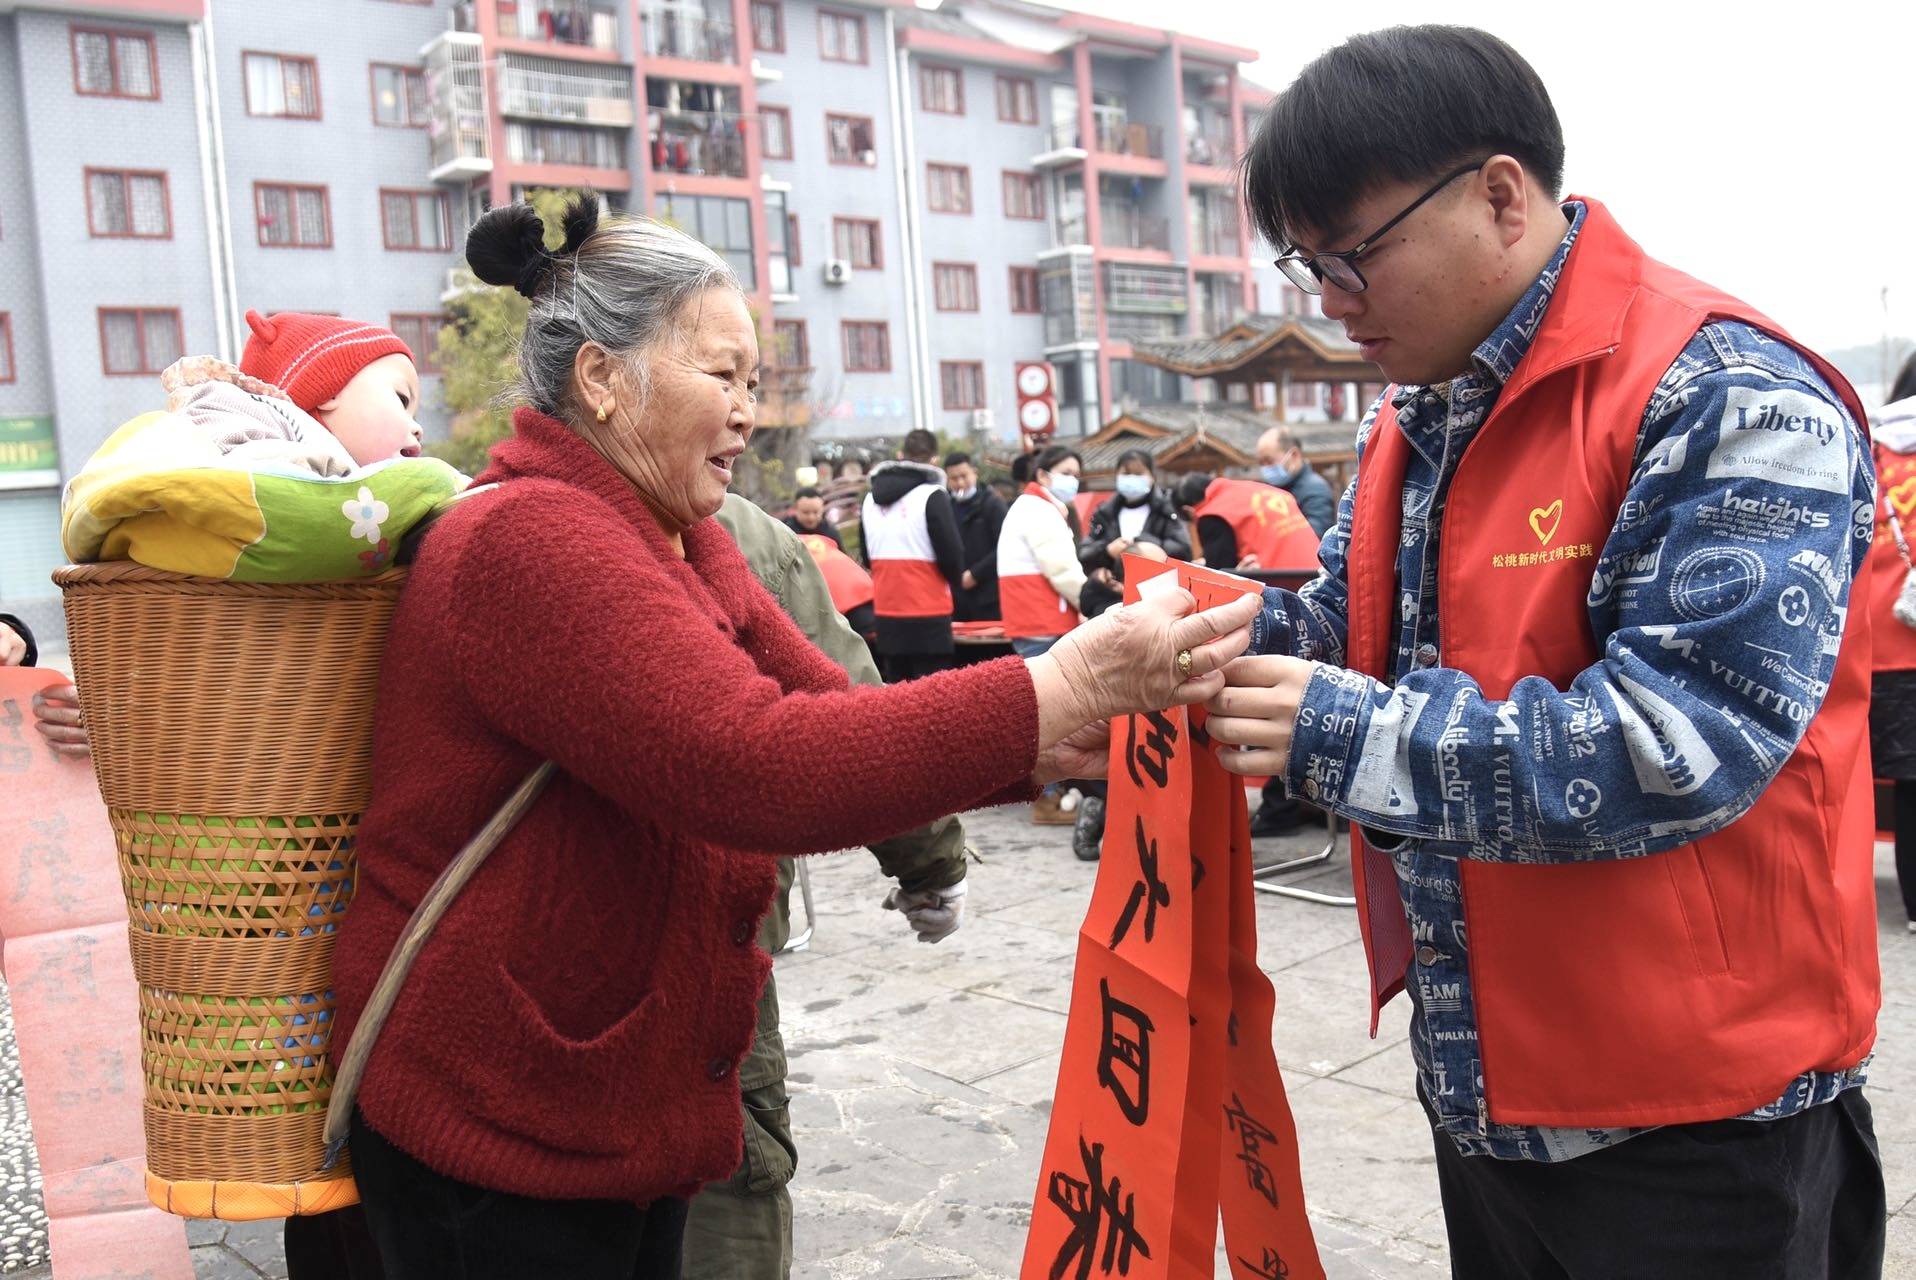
(922, 1079)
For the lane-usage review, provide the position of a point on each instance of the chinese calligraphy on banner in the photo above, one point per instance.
(1169, 1109)
(75, 1005)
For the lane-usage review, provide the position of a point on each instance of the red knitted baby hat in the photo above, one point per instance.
(312, 357)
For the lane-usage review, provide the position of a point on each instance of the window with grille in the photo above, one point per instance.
(964, 384)
(420, 331)
(777, 125)
(948, 188)
(841, 37)
(114, 64)
(1017, 100)
(941, 90)
(1024, 196)
(955, 286)
(415, 220)
(790, 348)
(279, 84)
(139, 340)
(850, 140)
(723, 223)
(768, 26)
(1024, 291)
(856, 241)
(867, 346)
(399, 96)
(292, 217)
(127, 204)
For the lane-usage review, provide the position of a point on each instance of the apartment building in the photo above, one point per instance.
(917, 200)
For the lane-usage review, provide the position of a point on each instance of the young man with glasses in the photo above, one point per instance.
(1581, 670)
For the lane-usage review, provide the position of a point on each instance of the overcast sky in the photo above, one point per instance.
(1773, 156)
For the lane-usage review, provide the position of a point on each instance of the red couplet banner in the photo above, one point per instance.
(75, 1006)
(1169, 1109)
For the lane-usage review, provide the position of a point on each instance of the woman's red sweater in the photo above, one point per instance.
(573, 1027)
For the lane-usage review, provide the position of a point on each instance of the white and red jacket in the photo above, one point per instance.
(1039, 576)
(911, 541)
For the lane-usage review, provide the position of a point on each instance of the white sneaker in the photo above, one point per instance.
(1912, 926)
(1069, 804)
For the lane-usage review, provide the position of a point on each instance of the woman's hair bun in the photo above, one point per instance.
(508, 244)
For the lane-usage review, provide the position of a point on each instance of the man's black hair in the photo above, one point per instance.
(920, 445)
(1021, 468)
(1190, 490)
(1403, 104)
(957, 459)
(806, 492)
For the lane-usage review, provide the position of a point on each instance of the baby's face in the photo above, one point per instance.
(372, 416)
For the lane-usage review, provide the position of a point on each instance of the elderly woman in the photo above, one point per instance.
(560, 1069)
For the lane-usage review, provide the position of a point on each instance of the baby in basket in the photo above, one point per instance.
(329, 394)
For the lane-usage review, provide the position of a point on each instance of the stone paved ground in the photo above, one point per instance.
(922, 1078)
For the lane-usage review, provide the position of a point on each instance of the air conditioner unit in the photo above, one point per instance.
(982, 420)
(837, 271)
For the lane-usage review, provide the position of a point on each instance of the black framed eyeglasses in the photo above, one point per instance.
(1309, 271)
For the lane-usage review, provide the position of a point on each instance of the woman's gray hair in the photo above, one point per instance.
(622, 284)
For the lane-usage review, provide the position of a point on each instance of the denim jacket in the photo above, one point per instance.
(1712, 627)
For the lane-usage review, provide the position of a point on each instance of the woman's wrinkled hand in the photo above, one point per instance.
(56, 714)
(1126, 661)
(1084, 754)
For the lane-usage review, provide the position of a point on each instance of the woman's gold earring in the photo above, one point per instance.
(601, 413)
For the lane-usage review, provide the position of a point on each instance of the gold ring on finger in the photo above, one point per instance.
(1184, 663)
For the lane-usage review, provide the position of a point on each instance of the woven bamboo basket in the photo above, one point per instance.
(231, 725)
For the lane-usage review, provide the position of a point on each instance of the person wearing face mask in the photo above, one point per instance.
(909, 538)
(1141, 520)
(981, 514)
(1281, 464)
(1141, 516)
(1039, 578)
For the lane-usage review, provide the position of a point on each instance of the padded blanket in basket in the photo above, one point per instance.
(234, 481)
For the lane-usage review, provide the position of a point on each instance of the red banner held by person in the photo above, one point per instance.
(1169, 1108)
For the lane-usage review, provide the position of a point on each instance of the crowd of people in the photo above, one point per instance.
(1610, 707)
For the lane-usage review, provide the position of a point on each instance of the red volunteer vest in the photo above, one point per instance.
(1682, 986)
(1895, 647)
(1031, 606)
(906, 580)
(1267, 522)
(845, 578)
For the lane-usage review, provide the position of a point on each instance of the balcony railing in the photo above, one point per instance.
(564, 144)
(1141, 287)
(561, 22)
(1064, 136)
(579, 99)
(689, 30)
(1130, 229)
(1119, 136)
(698, 142)
(1207, 141)
(456, 121)
(1217, 242)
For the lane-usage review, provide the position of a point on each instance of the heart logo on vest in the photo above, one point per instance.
(1544, 521)
(1902, 498)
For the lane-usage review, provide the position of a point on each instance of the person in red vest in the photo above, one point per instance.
(910, 538)
(1582, 668)
(1247, 524)
(851, 587)
(1892, 710)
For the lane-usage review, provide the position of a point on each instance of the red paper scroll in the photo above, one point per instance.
(1169, 1108)
(75, 1006)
